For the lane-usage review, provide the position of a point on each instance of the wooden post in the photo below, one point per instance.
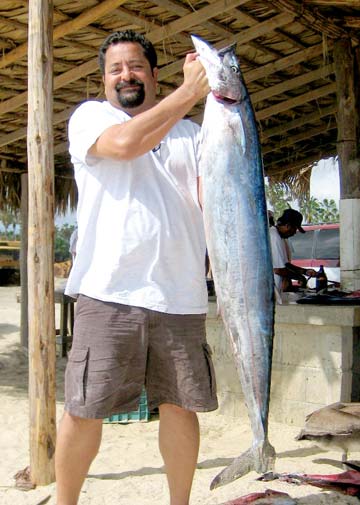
(24, 327)
(348, 118)
(41, 244)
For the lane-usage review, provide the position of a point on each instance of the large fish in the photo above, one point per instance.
(236, 227)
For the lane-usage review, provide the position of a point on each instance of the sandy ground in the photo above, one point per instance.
(128, 469)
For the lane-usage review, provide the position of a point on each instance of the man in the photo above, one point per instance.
(286, 226)
(139, 270)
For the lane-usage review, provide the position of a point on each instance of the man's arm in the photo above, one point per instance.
(144, 131)
(291, 271)
(309, 272)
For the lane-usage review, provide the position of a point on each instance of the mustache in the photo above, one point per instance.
(120, 85)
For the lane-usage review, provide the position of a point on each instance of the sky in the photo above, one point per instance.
(68, 218)
(324, 181)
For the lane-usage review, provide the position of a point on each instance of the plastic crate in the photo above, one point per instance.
(142, 414)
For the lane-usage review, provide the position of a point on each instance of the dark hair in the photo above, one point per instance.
(128, 36)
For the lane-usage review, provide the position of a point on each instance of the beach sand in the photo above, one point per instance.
(128, 469)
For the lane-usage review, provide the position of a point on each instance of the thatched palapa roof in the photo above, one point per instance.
(285, 48)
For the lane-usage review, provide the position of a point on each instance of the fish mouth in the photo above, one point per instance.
(225, 99)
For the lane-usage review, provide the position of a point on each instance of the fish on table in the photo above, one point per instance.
(236, 227)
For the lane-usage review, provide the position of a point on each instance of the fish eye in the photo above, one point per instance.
(234, 69)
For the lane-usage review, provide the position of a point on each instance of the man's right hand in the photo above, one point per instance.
(195, 79)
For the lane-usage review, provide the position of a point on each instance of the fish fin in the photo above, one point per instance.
(259, 459)
(239, 467)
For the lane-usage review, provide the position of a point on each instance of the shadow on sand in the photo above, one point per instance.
(14, 372)
(5, 329)
(131, 473)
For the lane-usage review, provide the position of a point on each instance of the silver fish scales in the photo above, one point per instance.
(236, 226)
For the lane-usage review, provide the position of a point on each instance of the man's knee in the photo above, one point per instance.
(80, 429)
(169, 409)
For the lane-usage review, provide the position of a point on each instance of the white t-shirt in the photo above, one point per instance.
(279, 255)
(141, 239)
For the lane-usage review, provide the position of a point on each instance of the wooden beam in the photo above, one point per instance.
(286, 105)
(296, 82)
(41, 311)
(164, 73)
(171, 29)
(193, 19)
(348, 119)
(290, 141)
(61, 148)
(240, 38)
(283, 63)
(314, 20)
(296, 165)
(333, 3)
(297, 123)
(351, 21)
(22, 132)
(24, 213)
(59, 81)
(258, 73)
(12, 23)
(72, 26)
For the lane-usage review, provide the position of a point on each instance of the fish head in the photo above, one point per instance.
(222, 70)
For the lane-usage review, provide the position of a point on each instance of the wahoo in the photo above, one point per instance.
(236, 227)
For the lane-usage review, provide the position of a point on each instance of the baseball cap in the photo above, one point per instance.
(293, 217)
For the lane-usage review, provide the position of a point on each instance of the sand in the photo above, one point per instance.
(129, 469)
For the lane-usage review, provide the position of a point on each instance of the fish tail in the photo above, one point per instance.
(260, 458)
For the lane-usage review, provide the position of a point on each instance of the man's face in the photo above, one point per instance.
(287, 230)
(130, 84)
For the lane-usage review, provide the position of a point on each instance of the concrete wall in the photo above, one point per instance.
(350, 243)
(315, 361)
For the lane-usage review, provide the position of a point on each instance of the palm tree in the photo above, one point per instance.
(278, 197)
(311, 209)
(329, 211)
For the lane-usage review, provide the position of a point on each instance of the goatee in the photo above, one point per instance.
(130, 98)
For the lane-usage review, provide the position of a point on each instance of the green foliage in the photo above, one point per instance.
(329, 211)
(61, 244)
(11, 231)
(278, 198)
(11, 224)
(313, 210)
(310, 208)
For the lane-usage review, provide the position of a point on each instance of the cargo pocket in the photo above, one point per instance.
(211, 370)
(75, 378)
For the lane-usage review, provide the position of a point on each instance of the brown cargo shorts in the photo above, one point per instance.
(119, 348)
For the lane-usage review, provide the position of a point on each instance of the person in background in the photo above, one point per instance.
(139, 270)
(271, 218)
(284, 271)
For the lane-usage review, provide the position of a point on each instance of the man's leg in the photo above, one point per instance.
(78, 442)
(179, 447)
